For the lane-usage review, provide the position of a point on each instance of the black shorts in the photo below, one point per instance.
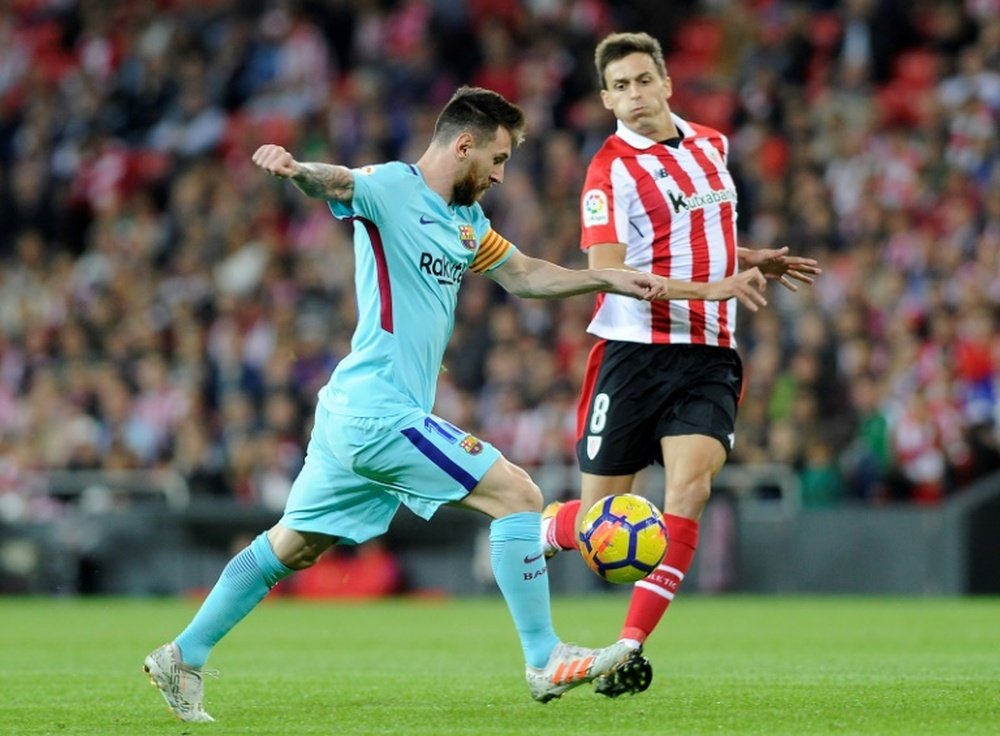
(635, 393)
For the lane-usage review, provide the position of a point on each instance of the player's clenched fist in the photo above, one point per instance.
(275, 160)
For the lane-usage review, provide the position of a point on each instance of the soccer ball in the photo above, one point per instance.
(623, 538)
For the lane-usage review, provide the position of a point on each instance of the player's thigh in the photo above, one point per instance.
(693, 456)
(595, 487)
(690, 463)
(505, 489)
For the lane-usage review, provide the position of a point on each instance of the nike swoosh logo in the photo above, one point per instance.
(425, 221)
(528, 559)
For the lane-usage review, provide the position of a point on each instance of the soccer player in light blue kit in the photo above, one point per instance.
(417, 229)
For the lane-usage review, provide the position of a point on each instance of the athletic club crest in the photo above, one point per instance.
(471, 445)
(468, 236)
(593, 446)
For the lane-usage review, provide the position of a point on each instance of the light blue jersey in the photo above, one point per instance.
(411, 251)
(374, 443)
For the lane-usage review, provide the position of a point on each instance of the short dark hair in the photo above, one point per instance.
(619, 45)
(480, 112)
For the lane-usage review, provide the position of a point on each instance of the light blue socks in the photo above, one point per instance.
(520, 570)
(243, 584)
(518, 566)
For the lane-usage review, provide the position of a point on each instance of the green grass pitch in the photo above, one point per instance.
(728, 665)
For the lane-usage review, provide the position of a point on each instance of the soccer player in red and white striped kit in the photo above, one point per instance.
(663, 382)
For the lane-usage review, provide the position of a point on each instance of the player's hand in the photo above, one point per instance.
(276, 161)
(747, 286)
(645, 286)
(652, 286)
(777, 265)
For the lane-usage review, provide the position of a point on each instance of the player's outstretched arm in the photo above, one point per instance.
(538, 279)
(777, 265)
(322, 181)
(747, 286)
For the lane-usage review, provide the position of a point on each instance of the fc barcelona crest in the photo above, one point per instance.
(471, 445)
(468, 236)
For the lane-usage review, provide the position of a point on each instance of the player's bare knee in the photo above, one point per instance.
(526, 496)
(506, 489)
(523, 494)
(306, 556)
(297, 550)
(689, 499)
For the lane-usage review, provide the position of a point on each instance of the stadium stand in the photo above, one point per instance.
(163, 306)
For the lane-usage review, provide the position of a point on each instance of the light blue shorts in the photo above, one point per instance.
(358, 470)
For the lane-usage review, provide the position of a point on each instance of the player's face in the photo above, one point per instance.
(637, 95)
(484, 168)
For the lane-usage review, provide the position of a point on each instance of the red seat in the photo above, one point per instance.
(713, 108)
(900, 104)
(701, 38)
(824, 32)
(917, 70)
(278, 129)
(686, 68)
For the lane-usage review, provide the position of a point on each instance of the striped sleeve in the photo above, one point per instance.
(494, 249)
(597, 205)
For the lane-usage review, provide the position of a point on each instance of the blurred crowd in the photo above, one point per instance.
(165, 304)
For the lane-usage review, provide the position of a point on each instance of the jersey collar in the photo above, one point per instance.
(642, 142)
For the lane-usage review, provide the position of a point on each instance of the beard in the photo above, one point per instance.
(468, 190)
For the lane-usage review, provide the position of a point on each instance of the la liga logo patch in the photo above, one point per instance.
(595, 208)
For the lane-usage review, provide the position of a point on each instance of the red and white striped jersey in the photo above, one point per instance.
(675, 210)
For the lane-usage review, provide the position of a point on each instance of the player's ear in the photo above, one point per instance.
(606, 100)
(464, 143)
(668, 87)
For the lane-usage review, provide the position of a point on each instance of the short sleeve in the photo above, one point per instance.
(371, 195)
(603, 206)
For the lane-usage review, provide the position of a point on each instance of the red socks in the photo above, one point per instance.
(652, 595)
(563, 529)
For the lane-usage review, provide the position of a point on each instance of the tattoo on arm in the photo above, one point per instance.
(325, 181)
